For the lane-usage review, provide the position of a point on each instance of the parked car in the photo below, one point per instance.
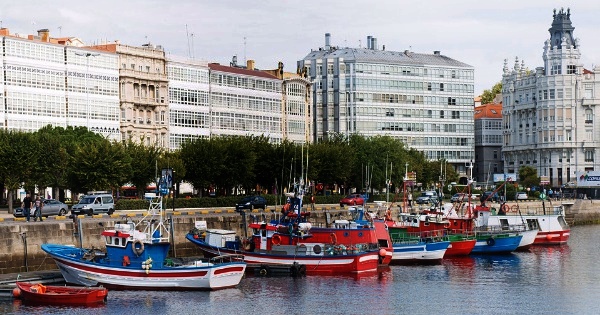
(252, 202)
(94, 204)
(427, 197)
(521, 196)
(352, 200)
(459, 197)
(51, 207)
(490, 196)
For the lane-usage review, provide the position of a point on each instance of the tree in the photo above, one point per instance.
(145, 162)
(18, 154)
(99, 165)
(528, 176)
(488, 95)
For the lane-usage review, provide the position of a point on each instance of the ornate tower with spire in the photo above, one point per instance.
(549, 113)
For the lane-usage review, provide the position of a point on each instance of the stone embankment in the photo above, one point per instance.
(22, 240)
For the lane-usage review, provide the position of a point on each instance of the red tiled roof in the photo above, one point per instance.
(255, 73)
(488, 111)
(586, 71)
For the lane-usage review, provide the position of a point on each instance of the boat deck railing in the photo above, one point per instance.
(419, 237)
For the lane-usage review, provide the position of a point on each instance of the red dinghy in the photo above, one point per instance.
(59, 295)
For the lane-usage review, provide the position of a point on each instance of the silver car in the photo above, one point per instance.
(51, 207)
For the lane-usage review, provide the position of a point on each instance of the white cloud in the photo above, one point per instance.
(479, 33)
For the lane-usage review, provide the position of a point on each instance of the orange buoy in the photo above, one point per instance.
(548, 236)
(382, 252)
(16, 292)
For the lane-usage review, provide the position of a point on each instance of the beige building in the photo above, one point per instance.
(143, 91)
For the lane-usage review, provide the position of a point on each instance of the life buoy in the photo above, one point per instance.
(491, 241)
(137, 250)
(505, 208)
(276, 239)
(264, 271)
(515, 208)
(319, 187)
(333, 238)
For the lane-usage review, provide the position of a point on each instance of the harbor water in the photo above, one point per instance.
(545, 280)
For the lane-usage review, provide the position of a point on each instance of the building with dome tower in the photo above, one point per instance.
(549, 113)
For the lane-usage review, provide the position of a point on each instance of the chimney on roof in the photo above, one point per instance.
(374, 43)
(250, 64)
(44, 35)
(436, 52)
(369, 41)
(327, 41)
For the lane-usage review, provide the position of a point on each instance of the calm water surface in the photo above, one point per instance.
(546, 280)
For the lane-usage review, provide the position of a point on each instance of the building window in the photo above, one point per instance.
(555, 69)
(441, 114)
(571, 69)
(589, 156)
(552, 94)
(589, 116)
(495, 154)
(559, 93)
(441, 86)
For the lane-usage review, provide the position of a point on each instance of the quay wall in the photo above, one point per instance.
(21, 240)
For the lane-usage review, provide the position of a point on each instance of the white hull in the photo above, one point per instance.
(176, 278)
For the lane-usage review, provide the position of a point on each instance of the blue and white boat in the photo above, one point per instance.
(136, 258)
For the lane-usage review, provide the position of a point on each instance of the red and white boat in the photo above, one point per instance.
(551, 226)
(349, 247)
(38, 293)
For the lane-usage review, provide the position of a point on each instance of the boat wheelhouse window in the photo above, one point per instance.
(532, 224)
(263, 233)
(109, 240)
(504, 224)
(117, 241)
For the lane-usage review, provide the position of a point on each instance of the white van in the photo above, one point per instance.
(94, 204)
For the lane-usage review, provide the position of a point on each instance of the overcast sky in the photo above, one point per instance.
(479, 33)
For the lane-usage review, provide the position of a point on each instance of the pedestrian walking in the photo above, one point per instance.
(38, 209)
(312, 202)
(26, 205)
(409, 199)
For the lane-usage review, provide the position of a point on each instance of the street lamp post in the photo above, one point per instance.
(87, 93)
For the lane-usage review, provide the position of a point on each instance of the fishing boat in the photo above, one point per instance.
(37, 293)
(417, 247)
(291, 240)
(489, 239)
(135, 257)
(431, 225)
(551, 224)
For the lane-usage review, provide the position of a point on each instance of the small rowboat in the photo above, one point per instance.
(59, 295)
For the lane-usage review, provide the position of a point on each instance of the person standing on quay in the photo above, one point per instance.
(38, 209)
(312, 202)
(26, 205)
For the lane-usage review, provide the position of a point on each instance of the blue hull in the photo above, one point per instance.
(490, 244)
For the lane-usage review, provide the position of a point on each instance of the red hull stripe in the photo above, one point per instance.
(175, 273)
(229, 269)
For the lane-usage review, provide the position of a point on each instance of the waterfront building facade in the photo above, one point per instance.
(49, 83)
(425, 100)
(143, 93)
(488, 143)
(549, 113)
(245, 102)
(189, 100)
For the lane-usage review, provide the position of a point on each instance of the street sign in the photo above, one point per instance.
(543, 196)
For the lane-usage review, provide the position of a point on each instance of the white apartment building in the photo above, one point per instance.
(549, 114)
(425, 100)
(189, 105)
(211, 99)
(245, 101)
(45, 83)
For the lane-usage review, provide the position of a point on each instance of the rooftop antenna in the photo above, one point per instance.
(0, 24)
(187, 36)
(59, 31)
(359, 43)
(193, 47)
(245, 60)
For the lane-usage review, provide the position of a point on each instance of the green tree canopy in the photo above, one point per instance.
(488, 95)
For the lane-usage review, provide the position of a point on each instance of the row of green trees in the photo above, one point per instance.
(79, 160)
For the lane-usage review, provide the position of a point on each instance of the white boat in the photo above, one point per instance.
(136, 258)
